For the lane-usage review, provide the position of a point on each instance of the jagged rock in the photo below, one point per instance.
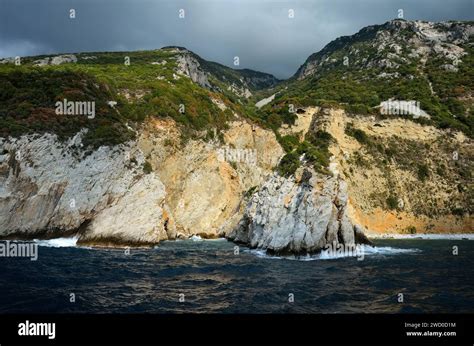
(41, 62)
(241, 82)
(346, 230)
(360, 237)
(189, 66)
(56, 60)
(239, 90)
(219, 103)
(50, 187)
(62, 59)
(296, 216)
(426, 39)
(205, 182)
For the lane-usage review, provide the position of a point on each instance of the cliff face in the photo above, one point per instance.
(166, 155)
(217, 77)
(205, 182)
(211, 189)
(50, 188)
(401, 176)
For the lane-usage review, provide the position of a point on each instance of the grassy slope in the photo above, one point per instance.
(358, 89)
(26, 107)
(28, 95)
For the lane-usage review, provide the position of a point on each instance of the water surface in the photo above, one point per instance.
(215, 280)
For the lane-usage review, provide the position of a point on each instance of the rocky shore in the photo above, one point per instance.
(182, 151)
(298, 215)
(51, 189)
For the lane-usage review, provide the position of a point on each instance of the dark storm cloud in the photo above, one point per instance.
(258, 31)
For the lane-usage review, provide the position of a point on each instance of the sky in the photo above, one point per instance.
(260, 32)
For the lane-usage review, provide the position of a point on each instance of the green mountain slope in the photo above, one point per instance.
(431, 63)
(169, 82)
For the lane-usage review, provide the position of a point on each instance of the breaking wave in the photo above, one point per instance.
(58, 242)
(325, 255)
(467, 236)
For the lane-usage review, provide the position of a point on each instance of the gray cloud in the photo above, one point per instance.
(258, 31)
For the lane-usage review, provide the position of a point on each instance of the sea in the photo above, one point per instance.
(408, 275)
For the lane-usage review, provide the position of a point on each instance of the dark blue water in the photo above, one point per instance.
(213, 279)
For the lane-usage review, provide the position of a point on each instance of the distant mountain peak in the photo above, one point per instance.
(380, 46)
(241, 82)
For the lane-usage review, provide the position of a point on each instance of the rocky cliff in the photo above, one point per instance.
(177, 147)
(205, 181)
(401, 176)
(210, 189)
(297, 215)
(393, 45)
(220, 78)
(50, 188)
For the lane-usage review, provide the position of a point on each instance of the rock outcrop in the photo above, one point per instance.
(205, 182)
(217, 77)
(50, 189)
(298, 215)
(376, 176)
(56, 60)
(389, 41)
(189, 66)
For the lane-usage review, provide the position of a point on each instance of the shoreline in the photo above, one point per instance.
(72, 241)
(426, 236)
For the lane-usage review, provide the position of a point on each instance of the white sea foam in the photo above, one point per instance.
(422, 236)
(58, 242)
(387, 250)
(195, 238)
(324, 255)
(198, 238)
(216, 239)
